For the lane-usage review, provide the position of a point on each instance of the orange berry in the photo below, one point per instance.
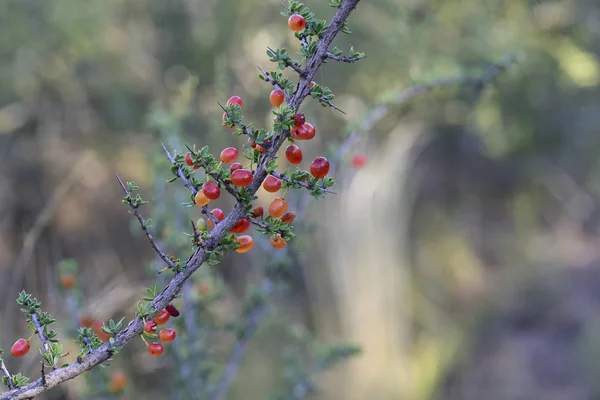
(167, 335)
(277, 241)
(277, 97)
(20, 348)
(288, 217)
(229, 155)
(246, 242)
(162, 317)
(260, 149)
(277, 207)
(258, 212)
(155, 349)
(118, 382)
(201, 199)
(296, 22)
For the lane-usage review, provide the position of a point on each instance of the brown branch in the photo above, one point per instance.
(135, 211)
(135, 327)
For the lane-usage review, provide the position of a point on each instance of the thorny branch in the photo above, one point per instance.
(135, 327)
(306, 185)
(40, 332)
(343, 58)
(6, 374)
(135, 211)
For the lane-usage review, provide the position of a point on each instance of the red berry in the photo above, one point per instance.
(241, 226)
(241, 177)
(271, 184)
(277, 207)
(319, 167)
(252, 142)
(224, 124)
(293, 154)
(312, 83)
(188, 159)
(359, 160)
(296, 22)
(299, 119)
(162, 317)
(172, 310)
(234, 166)
(277, 241)
(20, 348)
(118, 382)
(167, 335)
(299, 132)
(150, 327)
(258, 212)
(310, 131)
(155, 349)
(211, 190)
(67, 281)
(234, 100)
(260, 149)
(288, 217)
(217, 212)
(201, 199)
(229, 155)
(245, 243)
(277, 97)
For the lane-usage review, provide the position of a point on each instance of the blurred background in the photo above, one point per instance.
(463, 258)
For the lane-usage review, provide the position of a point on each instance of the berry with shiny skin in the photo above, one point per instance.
(201, 199)
(234, 166)
(299, 119)
(241, 226)
(229, 155)
(234, 100)
(162, 317)
(310, 131)
(245, 243)
(167, 335)
(271, 184)
(20, 348)
(211, 190)
(155, 349)
(277, 97)
(217, 212)
(277, 241)
(172, 310)
(277, 207)
(241, 177)
(299, 132)
(258, 211)
(288, 217)
(188, 159)
(150, 327)
(293, 154)
(319, 167)
(296, 22)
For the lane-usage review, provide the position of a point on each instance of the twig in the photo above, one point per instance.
(40, 332)
(6, 374)
(306, 185)
(199, 256)
(274, 82)
(343, 58)
(292, 64)
(153, 244)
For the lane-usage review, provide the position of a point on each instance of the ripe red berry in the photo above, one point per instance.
(299, 132)
(310, 131)
(86, 321)
(167, 335)
(252, 142)
(67, 281)
(211, 190)
(258, 212)
(288, 217)
(234, 100)
(312, 83)
(188, 159)
(299, 119)
(234, 166)
(155, 349)
(271, 184)
(150, 327)
(229, 155)
(277, 207)
(217, 212)
(172, 310)
(201, 199)
(319, 167)
(296, 22)
(359, 160)
(241, 226)
(241, 177)
(277, 241)
(162, 317)
(118, 382)
(277, 97)
(20, 348)
(260, 149)
(224, 124)
(245, 243)
(293, 154)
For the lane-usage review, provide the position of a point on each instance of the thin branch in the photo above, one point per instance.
(200, 255)
(330, 104)
(6, 374)
(292, 64)
(153, 244)
(274, 82)
(40, 332)
(344, 58)
(306, 185)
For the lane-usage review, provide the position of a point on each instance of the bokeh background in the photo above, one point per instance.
(463, 258)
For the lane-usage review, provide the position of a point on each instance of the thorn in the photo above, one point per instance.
(221, 105)
(122, 185)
